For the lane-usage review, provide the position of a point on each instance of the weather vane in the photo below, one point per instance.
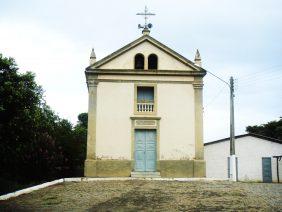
(145, 14)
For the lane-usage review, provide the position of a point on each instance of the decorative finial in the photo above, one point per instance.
(146, 26)
(198, 60)
(92, 57)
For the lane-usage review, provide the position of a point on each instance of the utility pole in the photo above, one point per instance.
(233, 164)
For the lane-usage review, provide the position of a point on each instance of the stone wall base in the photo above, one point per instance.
(182, 168)
(123, 168)
(108, 168)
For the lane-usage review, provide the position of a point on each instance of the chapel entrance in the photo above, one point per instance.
(145, 150)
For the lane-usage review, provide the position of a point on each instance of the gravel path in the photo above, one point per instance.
(141, 195)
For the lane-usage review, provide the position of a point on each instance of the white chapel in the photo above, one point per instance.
(145, 112)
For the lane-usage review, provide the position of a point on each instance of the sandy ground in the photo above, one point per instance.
(141, 195)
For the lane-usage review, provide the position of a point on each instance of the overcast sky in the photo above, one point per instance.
(241, 38)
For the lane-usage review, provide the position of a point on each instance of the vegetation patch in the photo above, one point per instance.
(36, 145)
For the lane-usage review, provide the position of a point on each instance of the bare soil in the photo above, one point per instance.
(144, 195)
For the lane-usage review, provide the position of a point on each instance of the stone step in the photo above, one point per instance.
(145, 174)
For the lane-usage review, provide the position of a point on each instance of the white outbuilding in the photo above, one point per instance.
(257, 158)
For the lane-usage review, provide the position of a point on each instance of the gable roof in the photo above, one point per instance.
(245, 135)
(154, 42)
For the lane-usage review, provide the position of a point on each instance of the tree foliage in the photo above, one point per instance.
(35, 144)
(271, 129)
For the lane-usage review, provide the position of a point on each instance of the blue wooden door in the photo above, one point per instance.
(140, 138)
(145, 150)
(150, 150)
(266, 170)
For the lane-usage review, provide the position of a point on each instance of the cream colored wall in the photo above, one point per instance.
(126, 60)
(114, 108)
(150, 78)
(115, 104)
(176, 109)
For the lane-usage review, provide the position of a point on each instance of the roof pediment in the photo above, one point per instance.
(123, 58)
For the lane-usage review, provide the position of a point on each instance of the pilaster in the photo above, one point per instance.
(92, 110)
(198, 102)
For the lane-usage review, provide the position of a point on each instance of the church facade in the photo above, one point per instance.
(145, 115)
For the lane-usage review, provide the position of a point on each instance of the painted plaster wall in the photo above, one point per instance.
(176, 109)
(216, 160)
(249, 151)
(114, 108)
(147, 78)
(126, 60)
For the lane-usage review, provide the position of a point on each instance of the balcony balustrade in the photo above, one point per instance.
(145, 107)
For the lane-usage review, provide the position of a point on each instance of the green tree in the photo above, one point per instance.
(28, 147)
(35, 144)
(82, 120)
(80, 133)
(271, 129)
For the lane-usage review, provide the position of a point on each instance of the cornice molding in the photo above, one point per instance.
(92, 83)
(144, 72)
(145, 118)
(144, 81)
(198, 85)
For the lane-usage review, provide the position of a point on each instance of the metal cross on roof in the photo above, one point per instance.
(145, 14)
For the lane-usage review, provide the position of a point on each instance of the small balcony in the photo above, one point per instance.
(145, 107)
(145, 100)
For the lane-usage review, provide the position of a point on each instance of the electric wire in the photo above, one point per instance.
(265, 75)
(249, 80)
(215, 97)
(265, 80)
(250, 75)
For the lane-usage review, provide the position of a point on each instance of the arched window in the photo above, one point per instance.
(139, 61)
(152, 61)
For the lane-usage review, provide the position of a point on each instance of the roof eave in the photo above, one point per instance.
(244, 135)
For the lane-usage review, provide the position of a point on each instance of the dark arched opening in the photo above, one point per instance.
(152, 61)
(139, 61)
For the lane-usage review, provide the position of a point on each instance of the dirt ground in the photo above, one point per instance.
(144, 195)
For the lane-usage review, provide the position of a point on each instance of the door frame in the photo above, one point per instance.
(145, 123)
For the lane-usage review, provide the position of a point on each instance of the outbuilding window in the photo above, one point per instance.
(139, 61)
(152, 61)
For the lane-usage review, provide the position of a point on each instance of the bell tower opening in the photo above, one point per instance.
(152, 61)
(139, 61)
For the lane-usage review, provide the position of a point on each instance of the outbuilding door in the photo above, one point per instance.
(266, 170)
(145, 150)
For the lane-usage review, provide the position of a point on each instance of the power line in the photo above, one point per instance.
(215, 97)
(260, 72)
(260, 76)
(219, 78)
(264, 79)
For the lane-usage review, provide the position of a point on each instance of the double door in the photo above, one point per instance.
(145, 150)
